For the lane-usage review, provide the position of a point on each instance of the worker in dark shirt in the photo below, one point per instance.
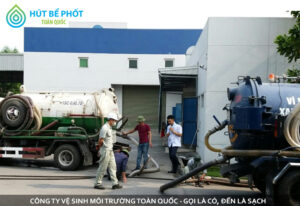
(121, 162)
(145, 140)
(121, 157)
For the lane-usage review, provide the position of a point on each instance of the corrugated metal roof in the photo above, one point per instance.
(11, 62)
(112, 41)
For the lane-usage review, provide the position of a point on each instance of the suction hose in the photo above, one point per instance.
(175, 182)
(291, 132)
(38, 119)
(212, 131)
(150, 170)
(219, 160)
(292, 126)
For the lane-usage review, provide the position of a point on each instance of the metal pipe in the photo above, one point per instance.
(259, 153)
(195, 171)
(123, 123)
(81, 115)
(45, 128)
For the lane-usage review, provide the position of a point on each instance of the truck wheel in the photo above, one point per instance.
(67, 157)
(288, 189)
(13, 112)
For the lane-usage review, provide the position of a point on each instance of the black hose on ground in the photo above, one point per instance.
(175, 182)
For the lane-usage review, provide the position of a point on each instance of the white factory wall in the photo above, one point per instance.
(228, 48)
(47, 71)
(199, 58)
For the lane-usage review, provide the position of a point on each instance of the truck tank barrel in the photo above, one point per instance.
(258, 110)
(40, 109)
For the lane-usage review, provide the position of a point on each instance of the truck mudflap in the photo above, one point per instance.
(285, 170)
(22, 152)
(87, 155)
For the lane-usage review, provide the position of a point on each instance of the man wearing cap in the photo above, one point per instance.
(145, 140)
(107, 157)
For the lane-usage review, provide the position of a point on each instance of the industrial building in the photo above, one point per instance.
(89, 59)
(11, 67)
(159, 72)
(226, 49)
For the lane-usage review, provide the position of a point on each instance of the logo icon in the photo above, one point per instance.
(15, 17)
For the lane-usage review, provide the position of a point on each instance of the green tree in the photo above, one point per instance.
(6, 49)
(289, 44)
(6, 87)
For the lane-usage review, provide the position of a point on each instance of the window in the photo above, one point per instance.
(133, 63)
(83, 62)
(169, 62)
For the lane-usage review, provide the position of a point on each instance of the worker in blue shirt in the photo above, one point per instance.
(121, 157)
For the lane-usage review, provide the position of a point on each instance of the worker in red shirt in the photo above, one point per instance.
(145, 140)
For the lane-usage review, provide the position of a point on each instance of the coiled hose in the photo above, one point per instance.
(292, 126)
(32, 116)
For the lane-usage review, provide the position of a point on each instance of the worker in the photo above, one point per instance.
(145, 140)
(107, 157)
(121, 157)
(174, 133)
(121, 161)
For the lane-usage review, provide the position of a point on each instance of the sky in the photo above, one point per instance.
(152, 14)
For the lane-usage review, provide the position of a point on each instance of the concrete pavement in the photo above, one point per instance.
(145, 184)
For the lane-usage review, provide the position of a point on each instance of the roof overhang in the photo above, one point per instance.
(11, 62)
(176, 78)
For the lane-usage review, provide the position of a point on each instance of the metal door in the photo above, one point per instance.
(190, 106)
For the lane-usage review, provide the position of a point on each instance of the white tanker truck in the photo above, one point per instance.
(66, 124)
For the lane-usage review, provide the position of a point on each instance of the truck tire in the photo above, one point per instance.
(288, 189)
(67, 157)
(13, 112)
